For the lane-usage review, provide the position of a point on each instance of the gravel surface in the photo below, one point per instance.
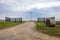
(25, 31)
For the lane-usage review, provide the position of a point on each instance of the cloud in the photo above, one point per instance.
(20, 5)
(23, 8)
(45, 12)
(44, 5)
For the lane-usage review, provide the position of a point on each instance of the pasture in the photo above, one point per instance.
(4, 25)
(52, 31)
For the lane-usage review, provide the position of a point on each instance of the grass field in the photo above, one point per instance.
(52, 31)
(4, 25)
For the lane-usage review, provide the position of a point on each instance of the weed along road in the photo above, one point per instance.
(25, 31)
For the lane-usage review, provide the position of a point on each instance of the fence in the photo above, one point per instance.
(44, 19)
(13, 19)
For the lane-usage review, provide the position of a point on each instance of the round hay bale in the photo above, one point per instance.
(50, 23)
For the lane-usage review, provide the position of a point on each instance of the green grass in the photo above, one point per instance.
(52, 31)
(4, 25)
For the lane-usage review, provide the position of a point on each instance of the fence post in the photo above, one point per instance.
(20, 19)
(7, 19)
(15, 19)
(38, 19)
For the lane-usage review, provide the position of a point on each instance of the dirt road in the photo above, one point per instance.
(25, 31)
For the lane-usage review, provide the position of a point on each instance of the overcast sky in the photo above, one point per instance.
(23, 8)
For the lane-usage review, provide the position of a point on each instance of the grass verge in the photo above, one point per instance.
(52, 31)
(4, 25)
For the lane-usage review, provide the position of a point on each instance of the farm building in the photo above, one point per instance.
(13, 19)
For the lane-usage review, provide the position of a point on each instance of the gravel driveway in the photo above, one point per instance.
(25, 31)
